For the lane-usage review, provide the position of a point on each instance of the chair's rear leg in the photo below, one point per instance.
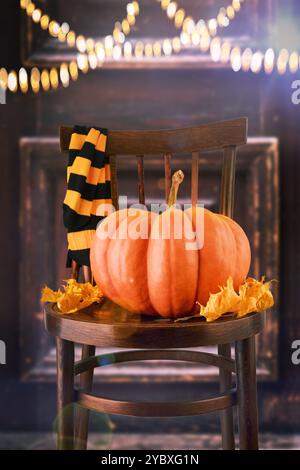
(226, 416)
(247, 393)
(82, 415)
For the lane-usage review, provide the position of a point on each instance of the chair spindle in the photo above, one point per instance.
(141, 185)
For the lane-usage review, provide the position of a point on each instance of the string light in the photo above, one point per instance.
(12, 81)
(92, 54)
(188, 24)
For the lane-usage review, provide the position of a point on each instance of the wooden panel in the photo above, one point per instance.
(257, 217)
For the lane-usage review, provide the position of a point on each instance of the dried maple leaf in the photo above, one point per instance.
(75, 296)
(227, 300)
(255, 296)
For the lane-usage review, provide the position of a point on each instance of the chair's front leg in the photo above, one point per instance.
(82, 415)
(226, 416)
(65, 394)
(247, 393)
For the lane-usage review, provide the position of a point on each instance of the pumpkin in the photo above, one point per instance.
(148, 263)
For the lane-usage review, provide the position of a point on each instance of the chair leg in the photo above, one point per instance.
(65, 394)
(247, 394)
(82, 414)
(226, 416)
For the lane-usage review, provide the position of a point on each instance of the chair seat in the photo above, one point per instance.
(108, 325)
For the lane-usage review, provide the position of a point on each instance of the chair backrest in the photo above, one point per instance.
(225, 135)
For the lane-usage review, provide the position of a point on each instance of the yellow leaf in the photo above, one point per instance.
(255, 296)
(48, 295)
(225, 301)
(75, 296)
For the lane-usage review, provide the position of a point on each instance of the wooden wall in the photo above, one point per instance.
(144, 99)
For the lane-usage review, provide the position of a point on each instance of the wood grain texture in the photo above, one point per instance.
(154, 354)
(157, 409)
(247, 394)
(109, 325)
(65, 394)
(205, 137)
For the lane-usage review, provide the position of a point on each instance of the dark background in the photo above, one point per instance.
(130, 97)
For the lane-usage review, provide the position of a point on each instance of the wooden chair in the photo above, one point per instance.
(104, 326)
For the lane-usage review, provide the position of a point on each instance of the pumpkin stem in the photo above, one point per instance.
(177, 179)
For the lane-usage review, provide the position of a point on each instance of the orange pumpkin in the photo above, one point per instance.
(140, 259)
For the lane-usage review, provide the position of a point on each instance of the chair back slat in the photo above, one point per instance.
(205, 137)
(195, 178)
(141, 184)
(228, 181)
(226, 135)
(168, 175)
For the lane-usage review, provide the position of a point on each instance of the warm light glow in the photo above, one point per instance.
(204, 42)
(71, 38)
(185, 38)
(136, 8)
(45, 20)
(230, 12)
(201, 27)
(131, 20)
(212, 26)
(130, 9)
(171, 9)
(82, 62)
(36, 15)
(215, 49)
(45, 80)
(167, 47)
(30, 9)
(148, 50)
(127, 50)
(164, 4)
(117, 52)
(35, 79)
(179, 17)
(236, 60)
(188, 25)
(294, 62)
(54, 28)
(24, 3)
(225, 52)
(157, 49)
(108, 45)
(3, 78)
(93, 61)
(269, 60)
(81, 44)
(125, 27)
(65, 28)
(176, 43)
(99, 49)
(236, 5)
(73, 68)
(54, 81)
(246, 59)
(64, 75)
(256, 62)
(23, 80)
(282, 61)
(139, 49)
(90, 45)
(195, 38)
